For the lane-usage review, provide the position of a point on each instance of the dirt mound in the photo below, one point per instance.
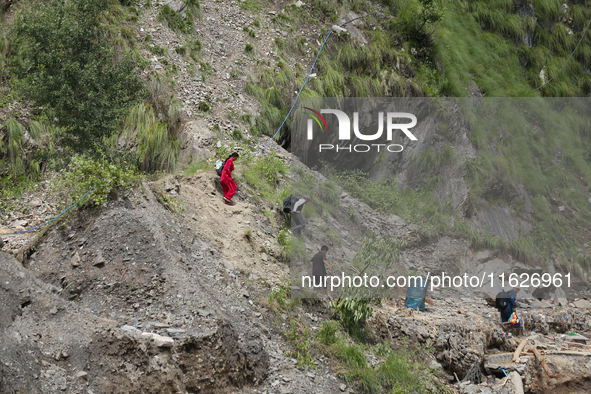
(135, 298)
(104, 284)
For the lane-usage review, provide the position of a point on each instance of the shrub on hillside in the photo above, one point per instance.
(68, 66)
(83, 173)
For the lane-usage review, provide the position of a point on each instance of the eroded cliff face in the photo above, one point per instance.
(437, 160)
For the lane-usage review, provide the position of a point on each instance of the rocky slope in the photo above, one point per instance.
(136, 298)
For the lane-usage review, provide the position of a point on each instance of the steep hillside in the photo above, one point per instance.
(152, 284)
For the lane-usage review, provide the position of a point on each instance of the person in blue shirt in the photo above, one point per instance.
(510, 308)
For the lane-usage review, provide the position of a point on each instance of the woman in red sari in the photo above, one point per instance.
(228, 184)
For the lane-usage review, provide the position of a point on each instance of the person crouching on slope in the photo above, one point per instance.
(511, 306)
(228, 184)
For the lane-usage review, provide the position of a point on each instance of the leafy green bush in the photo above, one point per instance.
(157, 50)
(291, 248)
(327, 331)
(195, 45)
(366, 378)
(270, 168)
(237, 134)
(206, 70)
(399, 373)
(83, 173)
(127, 33)
(284, 240)
(353, 313)
(352, 355)
(194, 7)
(69, 67)
(249, 31)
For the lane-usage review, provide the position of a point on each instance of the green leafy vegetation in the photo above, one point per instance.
(237, 134)
(554, 170)
(514, 48)
(399, 371)
(292, 248)
(251, 5)
(353, 313)
(157, 148)
(206, 70)
(196, 166)
(157, 50)
(175, 20)
(22, 160)
(324, 196)
(249, 236)
(280, 294)
(203, 106)
(84, 173)
(345, 68)
(264, 176)
(67, 65)
(327, 332)
(249, 31)
(300, 340)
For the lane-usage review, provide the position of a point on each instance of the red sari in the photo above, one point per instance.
(228, 184)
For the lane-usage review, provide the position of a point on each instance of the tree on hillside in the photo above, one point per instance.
(68, 66)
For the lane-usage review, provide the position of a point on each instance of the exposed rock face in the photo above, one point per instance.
(502, 223)
(196, 138)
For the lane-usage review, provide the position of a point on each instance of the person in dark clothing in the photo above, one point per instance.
(297, 217)
(511, 306)
(319, 269)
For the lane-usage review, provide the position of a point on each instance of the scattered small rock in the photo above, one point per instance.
(130, 329)
(82, 375)
(159, 340)
(75, 262)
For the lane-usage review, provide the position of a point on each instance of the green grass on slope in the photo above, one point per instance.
(467, 53)
(504, 50)
(542, 144)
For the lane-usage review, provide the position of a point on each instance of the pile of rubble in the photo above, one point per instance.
(551, 349)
